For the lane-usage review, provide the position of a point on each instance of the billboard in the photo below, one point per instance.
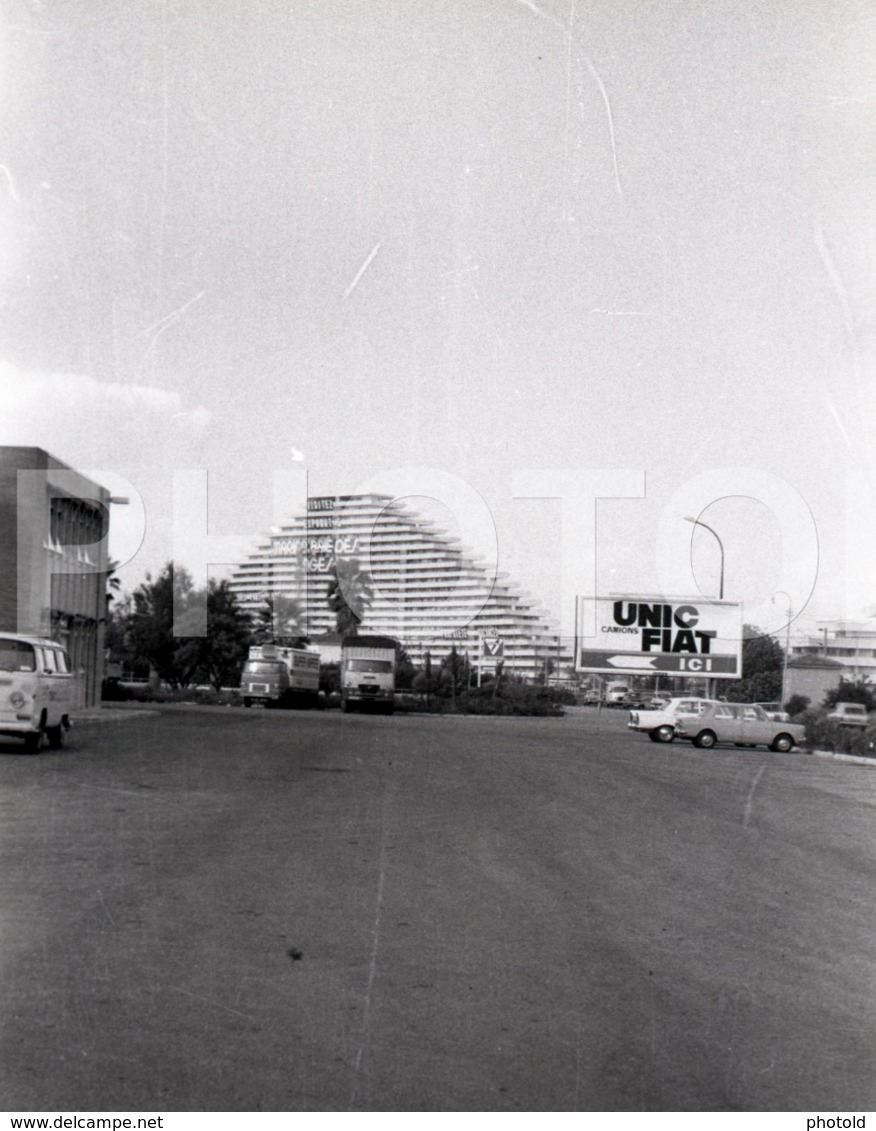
(671, 635)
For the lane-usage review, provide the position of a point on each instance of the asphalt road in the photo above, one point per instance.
(217, 909)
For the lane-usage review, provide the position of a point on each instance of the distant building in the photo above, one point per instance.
(850, 644)
(53, 557)
(812, 677)
(429, 591)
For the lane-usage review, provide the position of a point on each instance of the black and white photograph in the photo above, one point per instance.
(437, 560)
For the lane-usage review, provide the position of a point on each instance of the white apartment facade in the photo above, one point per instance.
(430, 592)
(849, 643)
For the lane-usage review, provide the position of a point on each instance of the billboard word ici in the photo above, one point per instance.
(679, 635)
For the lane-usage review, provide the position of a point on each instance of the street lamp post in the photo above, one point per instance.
(696, 522)
(781, 592)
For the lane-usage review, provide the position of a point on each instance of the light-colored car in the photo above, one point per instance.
(38, 690)
(743, 724)
(660, 725)
(775, 711)
(850, 715)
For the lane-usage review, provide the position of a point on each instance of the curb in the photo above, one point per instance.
(855, 759)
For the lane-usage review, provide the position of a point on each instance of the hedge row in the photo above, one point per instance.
(824, 734)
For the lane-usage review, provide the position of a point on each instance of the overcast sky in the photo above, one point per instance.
(483, 236)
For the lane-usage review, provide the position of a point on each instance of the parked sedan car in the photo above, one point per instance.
(660, 725)
(775, 711)
(743, 724)
(850, 715)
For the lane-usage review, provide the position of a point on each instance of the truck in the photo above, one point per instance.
(616, 691)
(368, 673)
(280, 677)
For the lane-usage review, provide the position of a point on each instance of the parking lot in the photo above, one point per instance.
(220, 909)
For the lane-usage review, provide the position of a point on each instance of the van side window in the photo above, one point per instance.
(61, 661)
(48, 660)
(16, 656)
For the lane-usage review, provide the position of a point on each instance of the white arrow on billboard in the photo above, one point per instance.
(643, 662)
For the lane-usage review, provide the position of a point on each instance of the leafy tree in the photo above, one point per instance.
(405, 671)
(454, 675)
(150, 630)
(168, 642)
(762, 664)
(424, 680)
(852, 691)
(350, 592)
(224, 649)
(797, 704)
(116, 642)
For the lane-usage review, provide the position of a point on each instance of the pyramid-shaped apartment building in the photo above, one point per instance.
(427, 590)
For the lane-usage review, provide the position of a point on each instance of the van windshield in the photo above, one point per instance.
(16, 656)
(262, 667)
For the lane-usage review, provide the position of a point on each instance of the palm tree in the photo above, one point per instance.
(278, 621)
(349, 594)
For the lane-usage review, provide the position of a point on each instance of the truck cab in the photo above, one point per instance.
(263, 680)
(278, 676)
(368, 673)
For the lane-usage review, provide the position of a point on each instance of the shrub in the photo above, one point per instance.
(824, 734)
(205, 696)
(114, 691)
(797, 704)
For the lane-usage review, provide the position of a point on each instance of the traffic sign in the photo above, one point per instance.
(494, 646)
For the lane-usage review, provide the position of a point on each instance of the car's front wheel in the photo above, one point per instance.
(706, 739)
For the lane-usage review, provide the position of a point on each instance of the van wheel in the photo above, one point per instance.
(33, 742)
(247, 702)
(706, 739)
(782, 743)
(55, 735)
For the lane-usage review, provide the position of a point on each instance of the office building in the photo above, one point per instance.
(53, 558)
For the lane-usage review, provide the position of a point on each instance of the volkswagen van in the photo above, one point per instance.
(38, 691)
